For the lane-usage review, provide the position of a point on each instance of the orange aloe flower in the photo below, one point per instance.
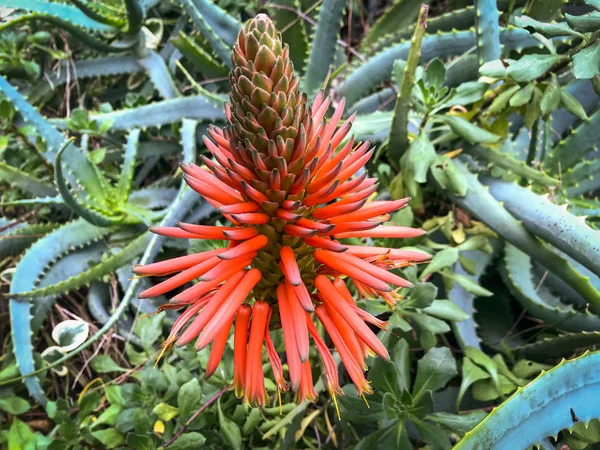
(290, 183)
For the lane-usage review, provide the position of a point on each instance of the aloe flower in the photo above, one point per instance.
(290, 182)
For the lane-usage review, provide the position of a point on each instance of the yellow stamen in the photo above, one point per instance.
(165, 347)
(280, 405)
(335, 403)
(366, 402)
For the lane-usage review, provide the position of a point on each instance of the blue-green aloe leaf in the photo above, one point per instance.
(488, 30)
(127, 169)
(554, 401)
(322, 49)
(224, 24)
(480, 203)
(549, 221)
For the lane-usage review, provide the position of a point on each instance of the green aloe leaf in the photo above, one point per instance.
(322, 48)
(529, 415)
(24, 181)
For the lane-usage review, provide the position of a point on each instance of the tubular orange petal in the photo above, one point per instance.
(295, 230)
(240, 234)
(240, 342)
(289, 266)
(218, 347)
(390, 253)
(176, 264)
(314, 225)
(205, 231)
(255, 384)
(211, 192)
(225, 266)
(368, 211)
(383, 231)
(300, 329)
(228, 307)
(209, 310)
(251, 245)
(330, 296)
(364, 315)
(174, 232)
(181, 278)
(306, 390)
(287, 215)
(252, 218)
(373, 270)
(326, 244)
(303, 297)
(329, 365)
(352, 367)
(289, 338)
(331, 260)
(329, 212)
(348, 335)
(341, 229)
(239, 208)
(275, 362)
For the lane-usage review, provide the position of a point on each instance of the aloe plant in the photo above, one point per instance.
(486, 115)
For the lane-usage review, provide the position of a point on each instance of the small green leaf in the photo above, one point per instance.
(551, 98)
(105, 364)
(470, 374)
(445, 309)
(553, 29)
(188, 441)
(394, 375)
(523, 96)
(442, 259)
(229, 430)
(165, 412)
(14, 405)
(586, 63)
(188, 398)
(139, 442)
(465, 94)
(422, 295)
(472, 133)
(434, 436)
(426, 322)
(110, 437)
(530, 67)
(435, 73)
(149, 329)
(587, 23)
(572, 105)
(20, 436)
(469, 285)
(434, 370)
(502, 100)
(458, 423)
(483, 360)
(457, 181)
(420, 156)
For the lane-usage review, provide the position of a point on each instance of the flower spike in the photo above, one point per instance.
(287, 180)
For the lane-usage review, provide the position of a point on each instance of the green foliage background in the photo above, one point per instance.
(486, 114)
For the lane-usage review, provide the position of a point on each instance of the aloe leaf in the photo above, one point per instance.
(324, 41)
(398, 141)
(94, 217)
(80, 166)
(488, 30)
(554, 401)
(537, 300)
(128, 167)
(62, 10)
(480, 203)
(24, 181)
(224, 24)
(378, 68)
(581, 171)
(135, 16)
(501, 159)
(160, 113)
(185, 200)
(94, 13)
(20, 236)
(33, 264)
(160, 75)
(465, 331)
(550, 222)
(458, 19)
(106, 266)
(576, 145)
(201, 60)
(294, 33)
(559, 346)
(152, 198)
(74, 30)
(218, 46)
(98, 67)
(34, 201)
(399, 15)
